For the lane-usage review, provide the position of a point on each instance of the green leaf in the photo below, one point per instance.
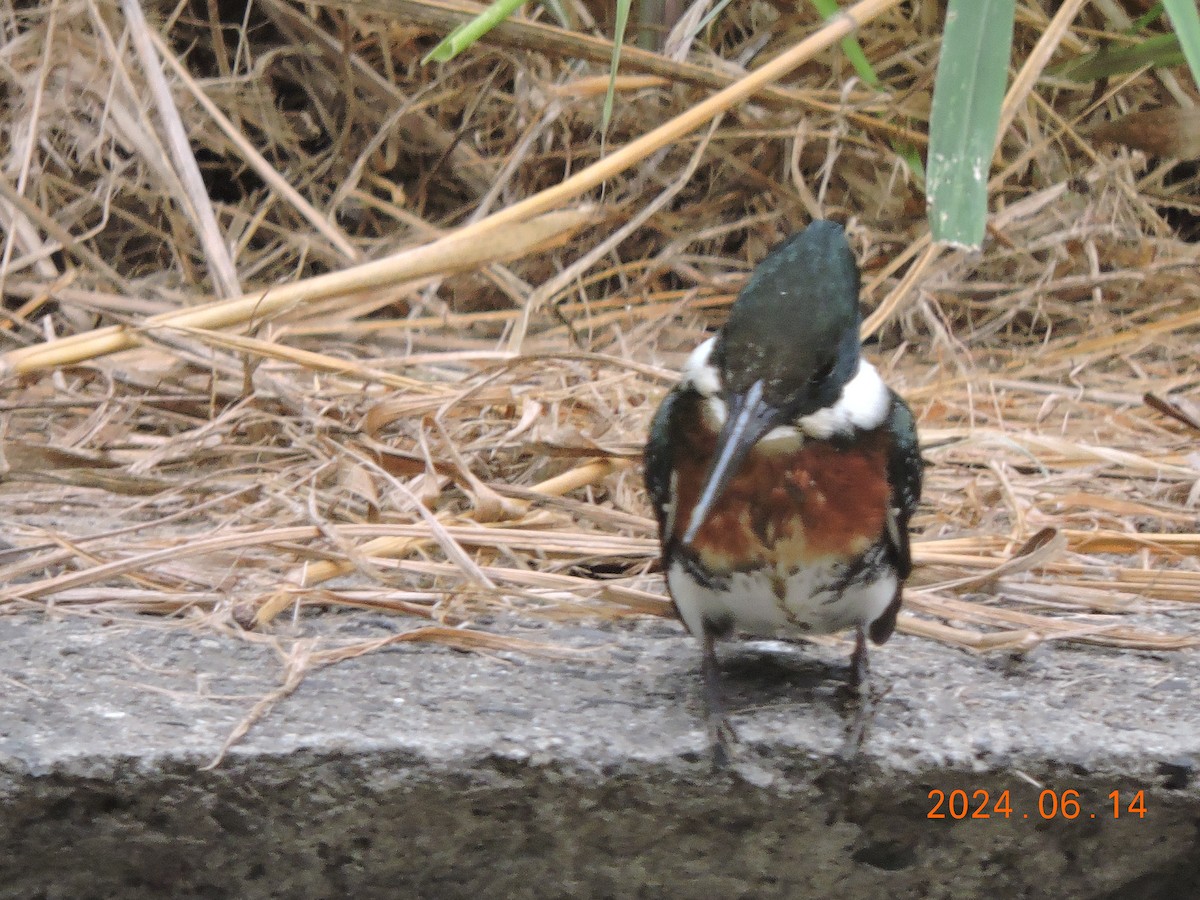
(468, 33)
(1185, 19)
(967, 94)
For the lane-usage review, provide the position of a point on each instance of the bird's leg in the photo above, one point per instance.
(720, 732)
(860, 671)
(860, 684)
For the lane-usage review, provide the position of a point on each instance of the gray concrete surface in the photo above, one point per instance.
(425, 772)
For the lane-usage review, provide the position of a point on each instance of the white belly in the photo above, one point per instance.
(750, 601)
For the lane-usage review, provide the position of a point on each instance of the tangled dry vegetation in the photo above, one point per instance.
(454, 429)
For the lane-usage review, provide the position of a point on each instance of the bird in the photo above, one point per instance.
(783, 471)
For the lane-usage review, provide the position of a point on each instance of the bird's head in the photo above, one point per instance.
(790, 346)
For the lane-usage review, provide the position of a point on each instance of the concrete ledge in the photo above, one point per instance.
(429, 773)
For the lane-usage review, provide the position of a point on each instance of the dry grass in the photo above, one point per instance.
(453, 429)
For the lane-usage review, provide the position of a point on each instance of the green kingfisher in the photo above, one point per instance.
(783, 471)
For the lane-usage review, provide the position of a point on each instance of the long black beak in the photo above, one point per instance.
(749, 418)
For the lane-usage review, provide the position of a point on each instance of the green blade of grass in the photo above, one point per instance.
(1185, 19)
(468, 33)
(854, 53)
(712, 14)
(967, 94)
(1160, 51)
(850, 45)
(618, 40)
(1146, 18)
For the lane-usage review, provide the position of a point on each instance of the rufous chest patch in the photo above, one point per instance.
(784, 508)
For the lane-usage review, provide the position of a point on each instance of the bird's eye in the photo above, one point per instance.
(823, 373)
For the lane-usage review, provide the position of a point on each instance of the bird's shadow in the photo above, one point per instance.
(756, 677)
(760, 675)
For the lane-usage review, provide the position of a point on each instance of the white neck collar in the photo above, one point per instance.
(864, 404)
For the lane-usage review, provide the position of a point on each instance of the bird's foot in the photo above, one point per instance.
(722, 738)
(856, 732)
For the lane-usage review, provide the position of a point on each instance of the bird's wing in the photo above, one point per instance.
(904, 475)
(659, 463)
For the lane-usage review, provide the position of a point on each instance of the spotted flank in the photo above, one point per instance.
(820, 598)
